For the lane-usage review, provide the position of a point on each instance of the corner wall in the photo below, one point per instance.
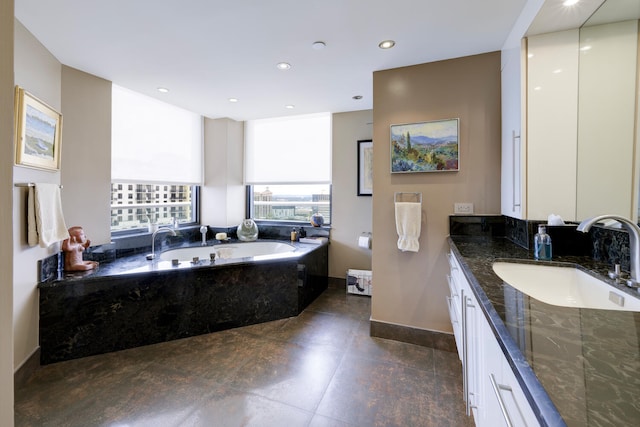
(409, 289)
(39, 73)
(351, 214)
(222, 201)
(86, 153)
(6, 223)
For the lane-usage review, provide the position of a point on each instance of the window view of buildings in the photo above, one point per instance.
(138, 205)
(291, 202)
(135, 206)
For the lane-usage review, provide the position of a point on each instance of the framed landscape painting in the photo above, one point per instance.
(425, 147)
(39, 129)
(365, 167)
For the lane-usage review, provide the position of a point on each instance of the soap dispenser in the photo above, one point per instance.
(542, 244)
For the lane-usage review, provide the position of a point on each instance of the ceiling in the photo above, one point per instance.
(207, 51)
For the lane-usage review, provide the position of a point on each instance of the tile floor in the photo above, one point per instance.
(318, 369)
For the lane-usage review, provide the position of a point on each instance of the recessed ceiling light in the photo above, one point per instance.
(585, 48)
(233, 99)
(387, 44)
(318, 45)
(557, 71)
(163, 89)
(570, 2)
(290, 106)
(283, 65)
(357, 97)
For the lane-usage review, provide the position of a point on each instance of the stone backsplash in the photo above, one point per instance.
(605, 244)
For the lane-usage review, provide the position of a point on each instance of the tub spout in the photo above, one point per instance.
(203, 231)
(152, 255)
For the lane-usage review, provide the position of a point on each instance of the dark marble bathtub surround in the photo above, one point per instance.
(106, 311)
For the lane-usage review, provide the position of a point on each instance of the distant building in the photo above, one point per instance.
(136, 205)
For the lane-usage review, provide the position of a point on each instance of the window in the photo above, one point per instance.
(288, 167)
(144, 208)
(295, 202)
(156, 162)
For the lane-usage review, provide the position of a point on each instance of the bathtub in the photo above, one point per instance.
(134, 301)
(255, 250)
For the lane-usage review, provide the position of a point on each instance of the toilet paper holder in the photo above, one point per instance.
(364, 240)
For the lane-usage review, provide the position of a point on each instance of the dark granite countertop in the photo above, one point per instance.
(577, 366)
(139, 264)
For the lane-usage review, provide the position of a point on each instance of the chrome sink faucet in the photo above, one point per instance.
(152, 255)
(634, 242)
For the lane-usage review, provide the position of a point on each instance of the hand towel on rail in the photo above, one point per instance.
(45, 220)
(408, 217)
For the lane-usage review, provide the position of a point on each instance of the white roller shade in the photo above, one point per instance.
(152, 141)
(286, 150)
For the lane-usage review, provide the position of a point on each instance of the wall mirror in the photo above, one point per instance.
(607, 163)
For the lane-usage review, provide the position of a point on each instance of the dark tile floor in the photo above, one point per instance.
(318, 369)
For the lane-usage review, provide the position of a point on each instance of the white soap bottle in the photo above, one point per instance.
(542, 244)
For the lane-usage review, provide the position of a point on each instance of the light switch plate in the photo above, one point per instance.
(463, 208)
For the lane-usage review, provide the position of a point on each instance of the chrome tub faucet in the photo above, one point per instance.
(152, 255)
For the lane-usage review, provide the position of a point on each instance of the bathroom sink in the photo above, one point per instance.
(564, 286)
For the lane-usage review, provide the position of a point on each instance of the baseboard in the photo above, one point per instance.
(337, 283)
(24, 372)
(438, 340)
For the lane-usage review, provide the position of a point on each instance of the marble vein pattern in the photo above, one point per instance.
(586, 361)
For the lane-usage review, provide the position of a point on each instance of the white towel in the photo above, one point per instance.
(45, 221)
(408, 217)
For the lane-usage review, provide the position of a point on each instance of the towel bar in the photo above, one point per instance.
(27, 184)
(408, 197)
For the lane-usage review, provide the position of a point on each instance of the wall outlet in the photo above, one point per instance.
(463, 208)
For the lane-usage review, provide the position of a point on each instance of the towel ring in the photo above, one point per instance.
(407, 197)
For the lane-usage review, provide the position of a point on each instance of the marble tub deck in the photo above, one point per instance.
(586, 360)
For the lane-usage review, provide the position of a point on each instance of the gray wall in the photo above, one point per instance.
(6, 213)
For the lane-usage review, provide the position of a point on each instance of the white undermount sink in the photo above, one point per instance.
(564, 286)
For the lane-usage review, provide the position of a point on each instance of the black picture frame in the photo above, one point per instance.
(365, 167)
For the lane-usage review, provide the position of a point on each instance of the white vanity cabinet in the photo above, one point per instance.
(505, 403)
(491, 391)
(513, 136)
(539, 126)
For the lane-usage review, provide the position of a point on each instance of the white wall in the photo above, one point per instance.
(351, 214)
(86, 153)
(39, 73)
(6, 201)
(223, 193)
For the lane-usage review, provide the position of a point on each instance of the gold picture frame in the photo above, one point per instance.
(38, 132)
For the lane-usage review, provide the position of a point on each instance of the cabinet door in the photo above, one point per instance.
(552, 124)
(472, 352)
(512, 171)
(492, 415)
(504, 401)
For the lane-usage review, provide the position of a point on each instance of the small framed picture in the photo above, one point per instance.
(365, 167)
(38, 132)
